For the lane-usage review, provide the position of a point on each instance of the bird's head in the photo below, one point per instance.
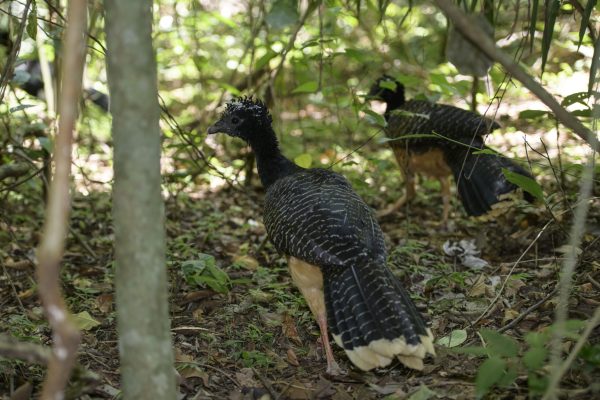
(244, 117)
(387, 89)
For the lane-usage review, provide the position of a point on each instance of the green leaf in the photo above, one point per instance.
(283, 13)
(84, 321)
(46, 143)
(537, 384)
(205, 272)
(591, 354)
(405, 137)
(304, 160)
(376, 118)
(534, 358)
(532, 22)
(533, 114)
(524, 182)
(552, 7)
(20, 107)
(391, 85)
(423, 393)
(227, 21)
(307, 87)
(581, 113)
(230, 88)
(537, 339)
(358, 55)
(472, 350)
(455, 338)
(490, 372)
(578, 97)
(509, 376)
(594, 66)
(261, 62)
(585, 19)
(486, 151)
(499, 344)
(574, 325)
(32, 21)
(409, 114)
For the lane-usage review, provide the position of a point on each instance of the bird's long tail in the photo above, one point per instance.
(480, 180)
(373, 319)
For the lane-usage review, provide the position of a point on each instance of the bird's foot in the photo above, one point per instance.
(333, 369)
(386, 212)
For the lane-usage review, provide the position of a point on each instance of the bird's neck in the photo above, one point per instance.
(271, 163)
(391, 105)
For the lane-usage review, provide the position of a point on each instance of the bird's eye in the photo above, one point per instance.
(235, 120)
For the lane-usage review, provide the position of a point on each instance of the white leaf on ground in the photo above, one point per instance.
(466, 252)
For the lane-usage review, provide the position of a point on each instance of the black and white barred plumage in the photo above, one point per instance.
(458, 134)
(315, 216)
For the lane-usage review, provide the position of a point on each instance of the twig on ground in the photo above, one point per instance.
(266, 384)
(12, 286)
(83, 243)
(593, 281)
(528, 311)
(30, 352)
(485, 312)
(225, 373)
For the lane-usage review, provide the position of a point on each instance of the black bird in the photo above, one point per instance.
(28, 77)
(452, 137)
(335, 249)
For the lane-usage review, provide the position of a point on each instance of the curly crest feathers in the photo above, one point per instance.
(247, 104)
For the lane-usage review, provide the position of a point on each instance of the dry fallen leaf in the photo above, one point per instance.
(509, 315)
(479, 287)
(104, 303)
(245, 377)
(247, 262)
(288, 327)
(291, 358)
(586, 287)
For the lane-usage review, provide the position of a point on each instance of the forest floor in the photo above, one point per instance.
(247, 333)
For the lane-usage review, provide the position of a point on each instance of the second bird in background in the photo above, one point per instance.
(440, 140)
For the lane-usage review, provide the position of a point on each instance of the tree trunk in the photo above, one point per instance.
(141, 279)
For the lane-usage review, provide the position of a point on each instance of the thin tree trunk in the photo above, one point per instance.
(65, 335)
(141, 279)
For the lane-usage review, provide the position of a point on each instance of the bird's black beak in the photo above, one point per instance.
(218, 127)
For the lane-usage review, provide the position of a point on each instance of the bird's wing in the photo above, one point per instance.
(423, 118)
(315, 216)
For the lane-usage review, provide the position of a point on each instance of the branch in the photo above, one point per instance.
(564, 367)
(568, 269)
(13, 170)
(12, 57)
(475, 35)
(65, 335)
(312, 6)
(30, 352)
